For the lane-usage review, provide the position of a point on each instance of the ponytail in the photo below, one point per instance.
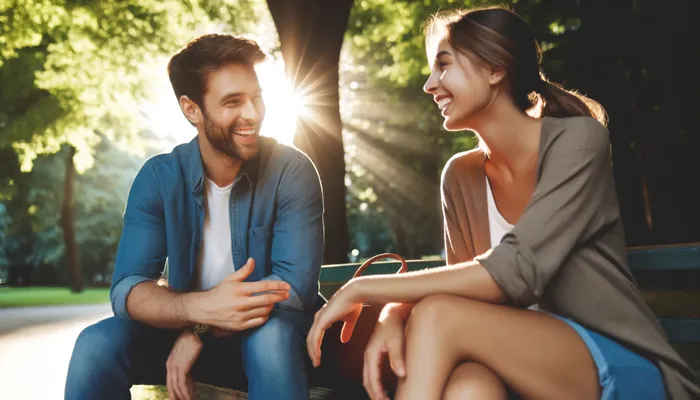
(555, 101)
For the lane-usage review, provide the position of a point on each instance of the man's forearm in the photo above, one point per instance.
(160, 307)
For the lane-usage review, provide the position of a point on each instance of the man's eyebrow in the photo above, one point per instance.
(236, 95)
(231, 96)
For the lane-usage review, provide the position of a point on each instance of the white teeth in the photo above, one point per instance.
(444, 102)
(246, 132)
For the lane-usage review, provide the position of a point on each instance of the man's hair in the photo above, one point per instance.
(189, 67)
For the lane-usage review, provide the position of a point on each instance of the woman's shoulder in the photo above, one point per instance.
(576, 133)
(462, 164)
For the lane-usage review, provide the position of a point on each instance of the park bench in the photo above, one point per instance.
(669, 277)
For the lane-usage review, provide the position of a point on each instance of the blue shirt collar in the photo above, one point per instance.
(249, 170)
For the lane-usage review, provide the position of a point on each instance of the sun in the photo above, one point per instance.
(282, 105)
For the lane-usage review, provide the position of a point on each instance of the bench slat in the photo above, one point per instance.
(681, 330)
(665, 258)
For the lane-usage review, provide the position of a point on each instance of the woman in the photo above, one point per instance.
(531, 218)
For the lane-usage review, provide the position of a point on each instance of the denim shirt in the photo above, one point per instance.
(276, 213)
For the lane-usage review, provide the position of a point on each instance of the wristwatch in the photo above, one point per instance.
(202, 332)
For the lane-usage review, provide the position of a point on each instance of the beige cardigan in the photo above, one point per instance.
(566, 253)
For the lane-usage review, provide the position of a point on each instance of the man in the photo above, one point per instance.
(239, 219)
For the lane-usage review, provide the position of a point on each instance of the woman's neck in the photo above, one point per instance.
(511, 137)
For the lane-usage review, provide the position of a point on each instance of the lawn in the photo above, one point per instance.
(47, 296)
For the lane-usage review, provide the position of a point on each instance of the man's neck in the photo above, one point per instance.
(219, 168)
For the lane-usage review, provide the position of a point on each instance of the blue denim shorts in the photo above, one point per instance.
(623, 374)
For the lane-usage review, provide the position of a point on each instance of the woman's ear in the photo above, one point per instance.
(191, 110)
(496, 75)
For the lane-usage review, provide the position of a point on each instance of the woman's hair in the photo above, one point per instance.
(499, 38)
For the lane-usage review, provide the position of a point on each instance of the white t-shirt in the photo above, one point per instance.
(215, 256)
(498, 226)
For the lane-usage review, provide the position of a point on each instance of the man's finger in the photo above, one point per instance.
(254, 322)
(243, 273)
(177, 385)
(169, 385)
(183, 389)
(190, 386)
(395, 352)
(264, 300)
(257, 312)
(249, 288)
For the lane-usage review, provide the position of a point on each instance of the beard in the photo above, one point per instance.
(221, 139)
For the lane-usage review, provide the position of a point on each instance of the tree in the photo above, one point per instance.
(311, 36)
(66, 69)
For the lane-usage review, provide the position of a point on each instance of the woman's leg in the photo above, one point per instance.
(537, 355)
(474, 381)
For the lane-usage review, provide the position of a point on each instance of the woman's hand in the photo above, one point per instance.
(343, 306)
(387, 339)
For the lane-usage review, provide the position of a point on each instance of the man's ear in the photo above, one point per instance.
(191, 110)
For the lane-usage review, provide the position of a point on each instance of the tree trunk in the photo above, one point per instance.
(68, 222)
(311, 35)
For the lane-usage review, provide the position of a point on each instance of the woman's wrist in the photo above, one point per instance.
(355, 290)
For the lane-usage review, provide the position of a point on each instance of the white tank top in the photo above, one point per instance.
(498, 226)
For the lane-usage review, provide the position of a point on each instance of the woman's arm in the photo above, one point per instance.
(469, 279)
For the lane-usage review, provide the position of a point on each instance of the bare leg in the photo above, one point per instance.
(474, 381)
(539, 356)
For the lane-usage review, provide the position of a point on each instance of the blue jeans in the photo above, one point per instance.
(270, 362)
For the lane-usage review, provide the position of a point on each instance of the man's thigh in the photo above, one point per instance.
(120, 349)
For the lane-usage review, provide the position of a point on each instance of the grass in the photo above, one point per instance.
(49, 296)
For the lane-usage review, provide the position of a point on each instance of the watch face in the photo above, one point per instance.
(201, 328)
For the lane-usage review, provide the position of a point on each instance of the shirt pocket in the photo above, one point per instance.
(259, 246)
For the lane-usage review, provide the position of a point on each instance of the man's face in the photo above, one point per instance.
(233, 111)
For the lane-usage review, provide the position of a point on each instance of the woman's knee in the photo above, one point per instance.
(474, 381)
(431, 316)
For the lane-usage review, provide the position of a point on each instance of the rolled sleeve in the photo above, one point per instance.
(574, 200)
(121, 291)
(297, 238)
(142, 248)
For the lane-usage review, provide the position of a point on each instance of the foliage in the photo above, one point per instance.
(71, 68)
(395, 145)
(100, 198)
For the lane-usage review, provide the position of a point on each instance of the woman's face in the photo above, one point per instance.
(460, 86)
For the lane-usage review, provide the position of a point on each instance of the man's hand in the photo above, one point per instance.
(182, 357)
(234, 305)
